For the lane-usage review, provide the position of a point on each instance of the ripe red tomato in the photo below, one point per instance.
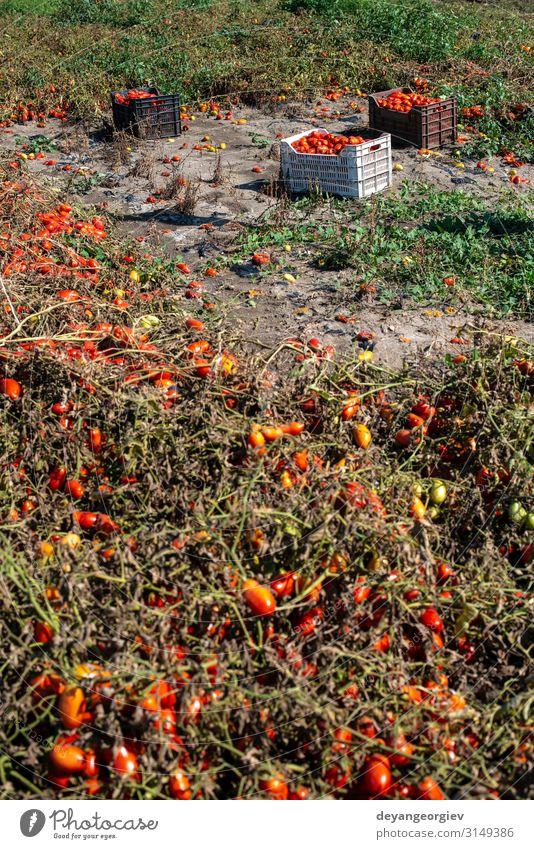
(42, 632)
(429, 789)
(377, 775)
(259, 599)
(85, 519)
(125, 762)
(95, 439)
(275, 787)
(261, 258)
(179, 785)
(326, 144)
(67, 758)
(194, 324)
(299, 793)
(400, 101)
(430, 619)
(307, 622)
(284, 584)
(11, 388)
(74, 488)
(91, 767)
(57, 478)
(403, 750)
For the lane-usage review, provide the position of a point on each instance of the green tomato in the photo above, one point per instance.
(529, 522)
(438, 493)
(417, 489)
(433, 512)
(149, 321)
(517, 513)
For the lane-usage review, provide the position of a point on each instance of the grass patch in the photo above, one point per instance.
(405, 244)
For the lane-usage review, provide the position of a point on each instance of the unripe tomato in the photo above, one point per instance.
(377, 775)
(361, 435)
(430, 618)
(516, 513)
(438, 493)
(179, 785)
(256, 439)
(271, 433)
(259, 599)
(529, 522)
(417, 508)
(67, 758)
(71, 707)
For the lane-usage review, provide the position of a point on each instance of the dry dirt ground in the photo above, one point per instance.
(231, 195)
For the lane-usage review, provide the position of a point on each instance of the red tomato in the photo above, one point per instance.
(275, 787)
(299, 793)
(307, 622)
(11, 388)
(67, 758)
(194, 324)
(42, 632)
(85, 519)
(431, 619)
(125, 762)
(57, 478)
(74, 488)
(293, 428)
(429, 789)
(377, 775)
(179, 785)
(259, 599)
(284, 584)
(261, 258)
(95, 439)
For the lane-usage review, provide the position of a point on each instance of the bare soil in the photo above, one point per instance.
(119, 174)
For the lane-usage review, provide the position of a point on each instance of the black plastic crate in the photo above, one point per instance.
(148, 118)
(426, 127)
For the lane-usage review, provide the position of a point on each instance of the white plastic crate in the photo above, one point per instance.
(357, 171)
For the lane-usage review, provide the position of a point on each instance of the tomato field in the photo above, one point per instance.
(266, 508)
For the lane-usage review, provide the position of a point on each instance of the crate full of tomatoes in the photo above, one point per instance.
(346, 165)
(414, 118)
(146, 113)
